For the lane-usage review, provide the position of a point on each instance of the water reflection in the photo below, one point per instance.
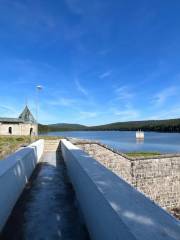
(139, 140)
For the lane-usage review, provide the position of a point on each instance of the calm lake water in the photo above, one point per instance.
(125, 141)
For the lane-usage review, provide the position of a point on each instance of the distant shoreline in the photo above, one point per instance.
(43, 132)
(169, 125)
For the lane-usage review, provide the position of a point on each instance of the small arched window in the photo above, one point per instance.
(10, 130)
(31, 131)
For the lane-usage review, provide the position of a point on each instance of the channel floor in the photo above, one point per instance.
(47, 209)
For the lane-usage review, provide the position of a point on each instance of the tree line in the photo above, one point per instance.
(170, 125)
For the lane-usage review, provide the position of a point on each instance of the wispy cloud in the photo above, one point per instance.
(8, 111)
(170, 113)
(87, 114)
(161, 97)
(47, 117)
(122, 105)
(5, 108)
(62, 101)
(126, 114)
(105, 74)
(124, 93)
(80, 88)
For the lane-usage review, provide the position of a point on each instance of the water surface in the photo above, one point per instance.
(125, 141)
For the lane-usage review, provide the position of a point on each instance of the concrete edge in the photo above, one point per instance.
(124, 204)
(15, 172)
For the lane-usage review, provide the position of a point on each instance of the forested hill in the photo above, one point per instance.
(61, 127)
(170, 125)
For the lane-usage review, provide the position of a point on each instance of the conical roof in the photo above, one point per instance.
(26, 116)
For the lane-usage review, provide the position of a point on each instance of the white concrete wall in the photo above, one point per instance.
(112, 209)
(15, 171)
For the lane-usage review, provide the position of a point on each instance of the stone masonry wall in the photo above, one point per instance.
(18, 129)
(113, 161)
(158, 178)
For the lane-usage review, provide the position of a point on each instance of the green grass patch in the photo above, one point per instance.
(50, 137)
(9, 144)
(142, 154)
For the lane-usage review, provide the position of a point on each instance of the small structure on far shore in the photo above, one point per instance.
(139, 134)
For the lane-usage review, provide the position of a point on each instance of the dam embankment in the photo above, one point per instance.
(47, 208)
(62, 186)
(15, 171)
(111, 207)
(157, 177)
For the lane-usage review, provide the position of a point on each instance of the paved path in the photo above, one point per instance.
(47, 208)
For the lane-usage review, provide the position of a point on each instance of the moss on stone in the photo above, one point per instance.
(142, 154)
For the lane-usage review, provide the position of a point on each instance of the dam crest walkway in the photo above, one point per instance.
(47, 207)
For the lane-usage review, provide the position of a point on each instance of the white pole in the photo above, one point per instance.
(38, 88)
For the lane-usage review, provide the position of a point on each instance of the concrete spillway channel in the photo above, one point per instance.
(47, 208)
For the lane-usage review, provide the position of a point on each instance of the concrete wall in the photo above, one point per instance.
(15, 171)
(158, 178)
(18, 129)
(112, 209)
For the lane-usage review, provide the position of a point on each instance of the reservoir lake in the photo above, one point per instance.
(125, 141)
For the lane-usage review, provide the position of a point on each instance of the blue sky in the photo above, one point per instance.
(98, 61)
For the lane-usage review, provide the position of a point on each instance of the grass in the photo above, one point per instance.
(49, 137)
(142, 154)
(9, 144)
